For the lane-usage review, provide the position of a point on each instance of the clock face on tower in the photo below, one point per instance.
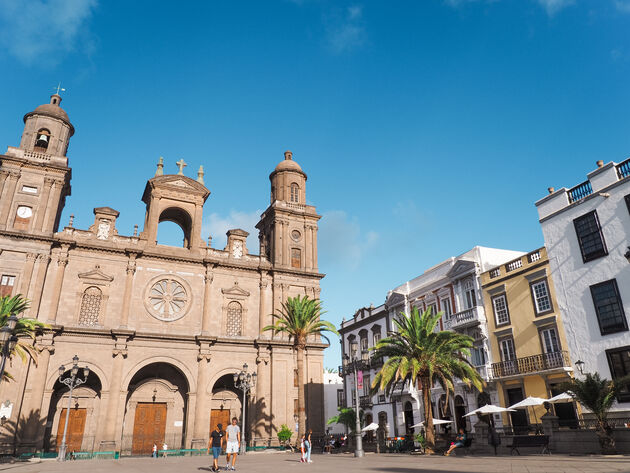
(24, 212)
(237, 249)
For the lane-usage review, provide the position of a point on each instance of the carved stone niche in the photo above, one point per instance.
(234, 311)
(236, 243)
(104, 226)
(92, 297)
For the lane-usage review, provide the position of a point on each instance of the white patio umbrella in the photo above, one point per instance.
(435, 422)
(372, 426)
(563, 397)
(489, 409)
(530, 401)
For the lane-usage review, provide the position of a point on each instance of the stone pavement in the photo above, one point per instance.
(340, 463)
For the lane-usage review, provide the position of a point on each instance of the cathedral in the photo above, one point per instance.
(162, 329)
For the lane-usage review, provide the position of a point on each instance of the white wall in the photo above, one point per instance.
(332, 382)
(573, 278)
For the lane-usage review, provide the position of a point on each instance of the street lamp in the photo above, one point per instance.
(627, 255)
(244, 381)
(72, 382)
(580, 366)
(8, 340)
(354, 363)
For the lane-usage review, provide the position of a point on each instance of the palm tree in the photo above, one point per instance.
(347, 417)
(598, 395)
(416, 351)
(25, 329)
(299, 318)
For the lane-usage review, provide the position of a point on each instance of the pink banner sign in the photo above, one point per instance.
(360, 379)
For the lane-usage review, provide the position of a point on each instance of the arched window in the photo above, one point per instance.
(295, 193)
(173, 224)
(234, 319)
(90, 306)
(42, 139)
(296, 258)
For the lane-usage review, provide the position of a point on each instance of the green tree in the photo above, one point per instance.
(416, 351)
(347, 417)
(598, 395)
(300, 318)
(284, 435)
(26, 329)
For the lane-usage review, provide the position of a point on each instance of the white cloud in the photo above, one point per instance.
(623, 5)
(341, 240)
(346, 29)
(217, 225)
(554, 6)
(43, 30)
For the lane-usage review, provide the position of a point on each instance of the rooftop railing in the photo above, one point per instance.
(580, 191)
(623, 169)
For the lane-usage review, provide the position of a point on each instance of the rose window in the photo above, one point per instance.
(167, 299)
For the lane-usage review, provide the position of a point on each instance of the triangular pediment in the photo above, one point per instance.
(185, 184)
(96, 275)
(461, 267)
(235, 290)
(394, 299)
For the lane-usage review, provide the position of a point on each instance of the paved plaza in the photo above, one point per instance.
(344, 463)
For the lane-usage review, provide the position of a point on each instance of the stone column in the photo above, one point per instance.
(207, 293)
(35, 415)
(115, 386)
(62, 262)
(263, 395)
(131, 270)
(43, 204)
(27, 274)
(263, 319)
(38, 287)
(277, 246)
(550, 424)
(314, 247)
(53, 206)
(3, 178)
(285, 246)
(308, 242)
(7, 197)
(201, 429)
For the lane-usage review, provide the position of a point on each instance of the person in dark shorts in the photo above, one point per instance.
(216, 442)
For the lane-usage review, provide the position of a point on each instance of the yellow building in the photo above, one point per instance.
(527, 340)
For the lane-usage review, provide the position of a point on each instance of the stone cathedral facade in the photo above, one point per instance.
(161, 328)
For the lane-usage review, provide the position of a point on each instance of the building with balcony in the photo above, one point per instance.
(454, 288)
(587, 236)
(334, 397)
(527, 337)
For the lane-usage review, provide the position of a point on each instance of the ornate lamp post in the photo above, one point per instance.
(7, 341)
(355, 364)
(72, 382)
(244, 381)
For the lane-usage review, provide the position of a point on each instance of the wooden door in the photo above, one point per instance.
(76, 427)
(219, 416)
(149, 427)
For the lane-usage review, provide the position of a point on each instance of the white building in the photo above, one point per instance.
(587, 235)
(453, 287)
(333, 399)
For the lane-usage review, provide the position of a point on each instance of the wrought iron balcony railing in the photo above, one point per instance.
(365, 401)
(531, 364)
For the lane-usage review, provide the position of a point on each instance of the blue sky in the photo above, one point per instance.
(425, 127)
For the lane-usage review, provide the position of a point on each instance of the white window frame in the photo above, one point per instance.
(543, 336)
(537, 299)
(445, 305)
(498, 310)
(503, 344)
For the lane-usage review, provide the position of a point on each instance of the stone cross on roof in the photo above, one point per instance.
(180, 164)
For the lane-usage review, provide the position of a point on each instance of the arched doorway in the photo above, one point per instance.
(82, 418)
(369, 435)
(226, 403)
(156, 409)
(408, 418)
(460, 411)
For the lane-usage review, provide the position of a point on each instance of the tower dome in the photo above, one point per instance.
(288, 181)
(47, 129)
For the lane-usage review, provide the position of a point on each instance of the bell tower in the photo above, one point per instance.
(35, 177)
(288, 228)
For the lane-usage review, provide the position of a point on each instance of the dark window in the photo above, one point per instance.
(628, 202)
(619, 362)
(341, 399)
(590, 238)
(608, 307)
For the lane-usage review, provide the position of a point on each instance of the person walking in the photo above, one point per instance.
(309, 446)
(216, 442)
(233, 434)
(154, 450)
(303, 449)
(164, 449)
